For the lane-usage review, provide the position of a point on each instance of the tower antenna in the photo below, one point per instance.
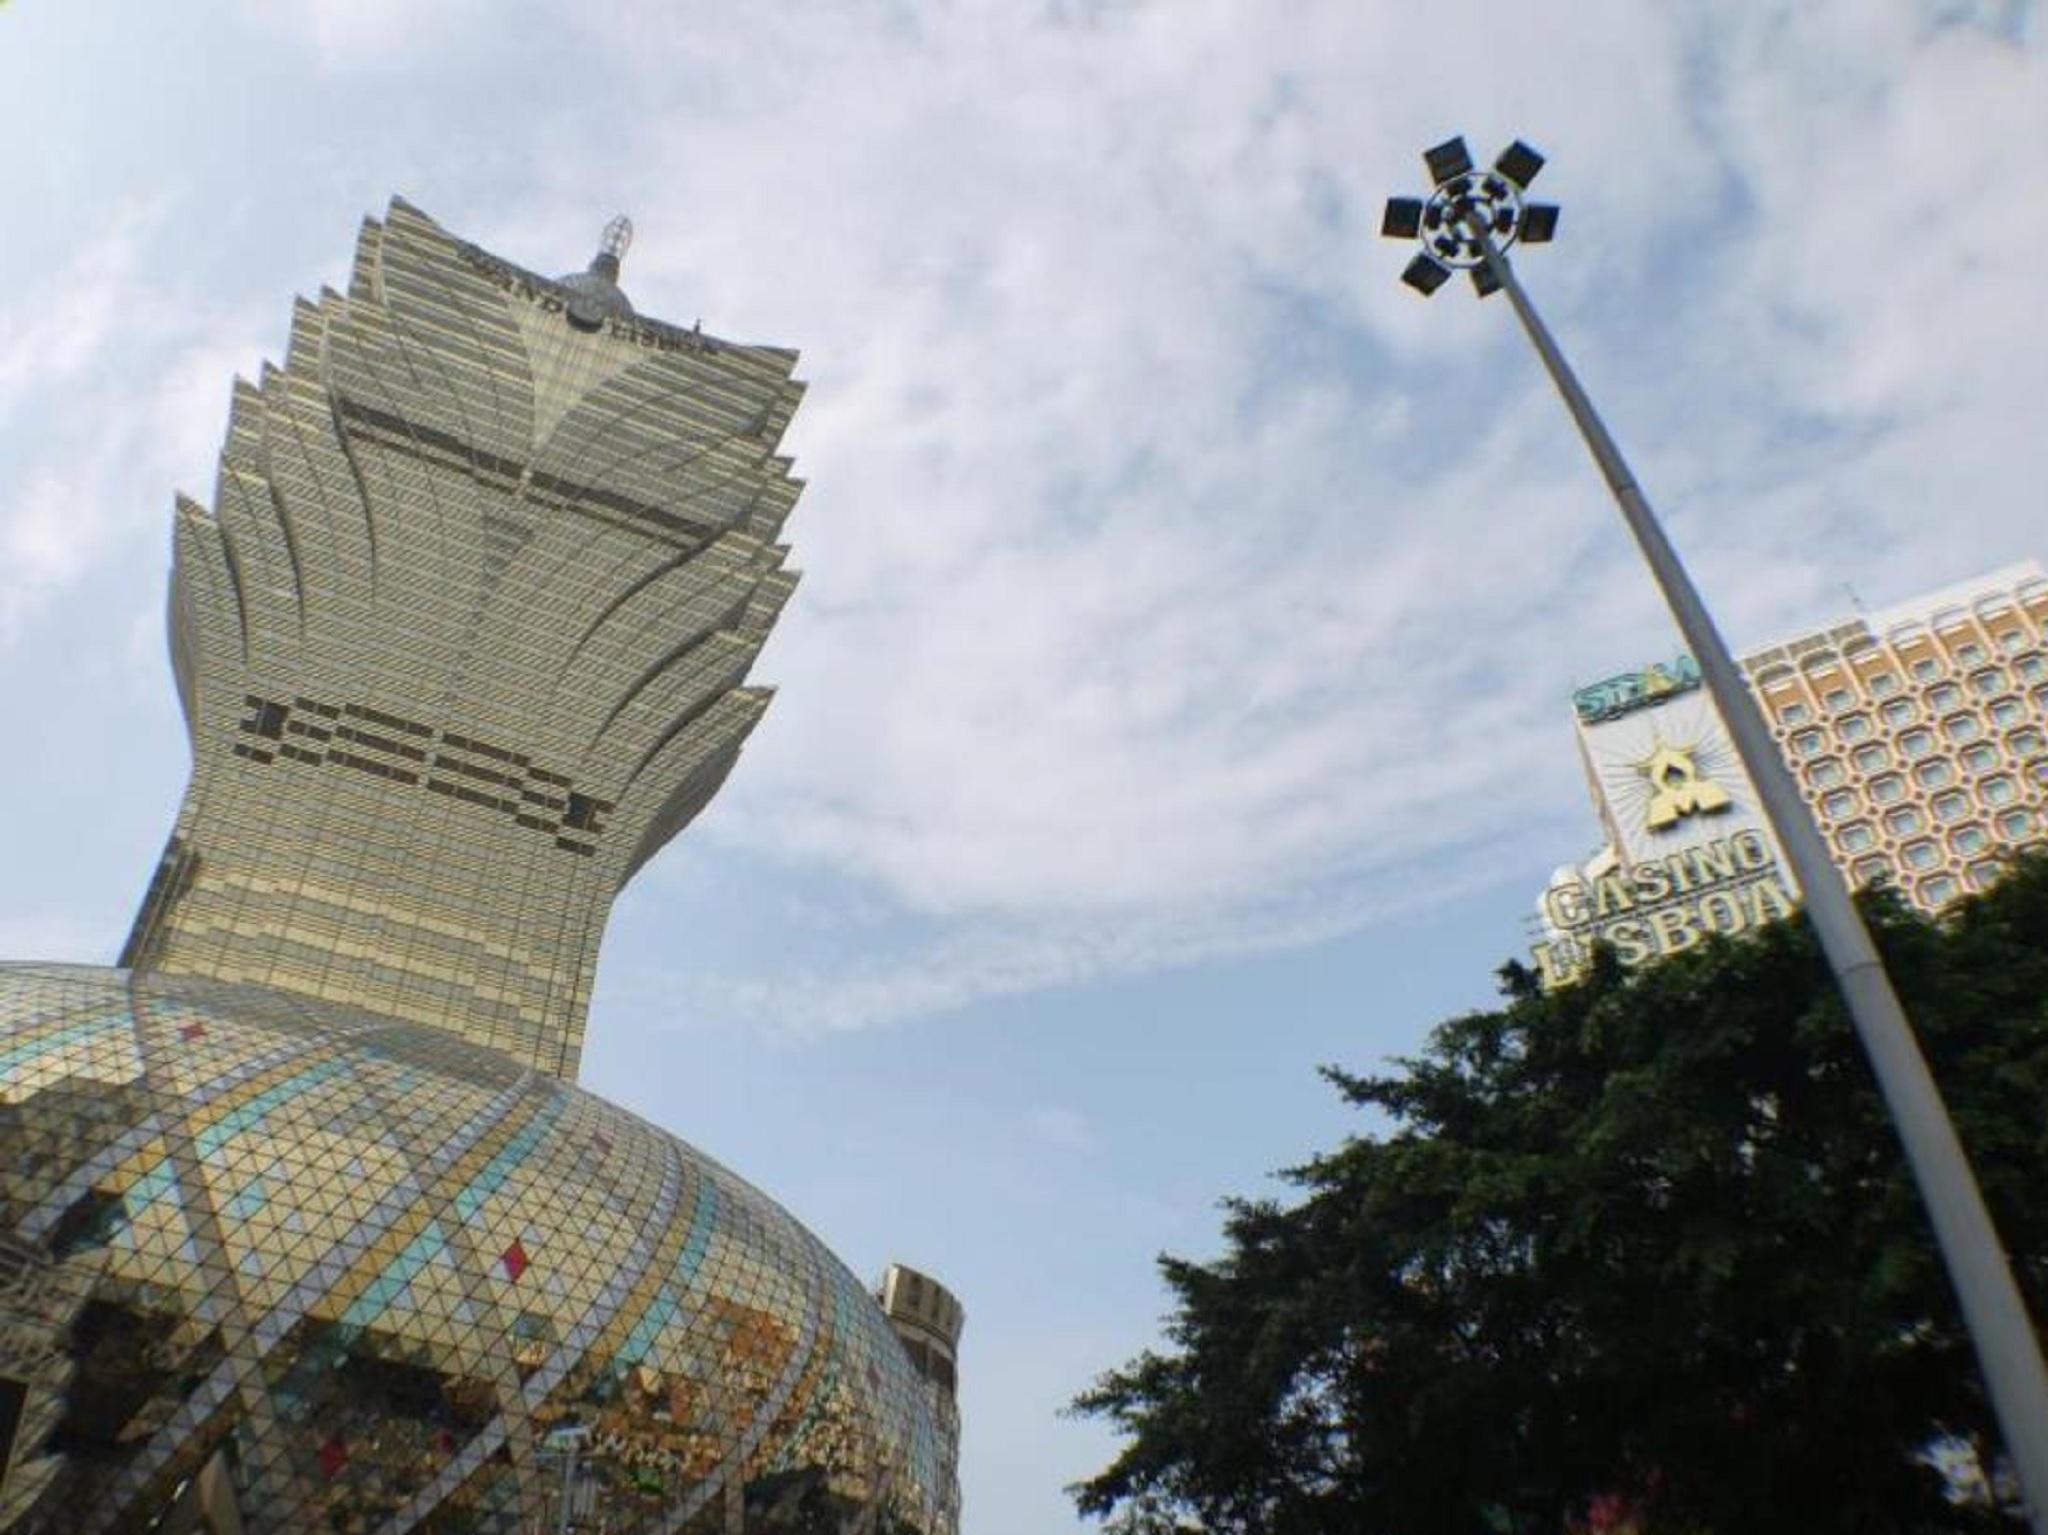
(614, 243)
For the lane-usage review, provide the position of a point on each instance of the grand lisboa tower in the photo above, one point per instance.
(304, 1225)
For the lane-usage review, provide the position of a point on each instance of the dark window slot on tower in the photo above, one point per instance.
(13, 1397)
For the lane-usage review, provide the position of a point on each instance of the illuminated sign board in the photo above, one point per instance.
(1629, 691)
(1661, 905)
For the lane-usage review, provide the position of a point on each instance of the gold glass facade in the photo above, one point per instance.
(353, 1274)
(462, 639)
(1920, 734)
(303, 1225)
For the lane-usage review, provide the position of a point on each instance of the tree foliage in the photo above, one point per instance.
(1639, 1253)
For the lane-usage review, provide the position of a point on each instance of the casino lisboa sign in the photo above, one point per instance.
(1687, 851)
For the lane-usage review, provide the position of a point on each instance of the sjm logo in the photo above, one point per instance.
(1677, 789)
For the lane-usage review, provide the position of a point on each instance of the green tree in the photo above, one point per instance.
(1637, 1254)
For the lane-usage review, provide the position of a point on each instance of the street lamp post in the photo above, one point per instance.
(567, 1444)
(1467, 224)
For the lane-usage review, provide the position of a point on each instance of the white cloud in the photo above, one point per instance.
(354, 33)
(1147, 583)
(53, 331)
(139, 364)
(970, 959)
(1176, 582)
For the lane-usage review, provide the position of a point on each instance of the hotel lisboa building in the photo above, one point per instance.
(1917, 733)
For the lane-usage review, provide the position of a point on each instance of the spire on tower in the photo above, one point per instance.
(594, 292)
(612, 246)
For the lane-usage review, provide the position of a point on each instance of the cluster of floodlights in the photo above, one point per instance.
(1466, 205)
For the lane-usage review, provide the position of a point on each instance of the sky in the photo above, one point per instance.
(1177, 693)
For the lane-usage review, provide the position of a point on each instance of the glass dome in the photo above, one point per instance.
(343, 1273)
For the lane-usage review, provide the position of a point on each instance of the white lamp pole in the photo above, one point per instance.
(1467, 224)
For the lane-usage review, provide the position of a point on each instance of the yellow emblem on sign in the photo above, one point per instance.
(1677, 789)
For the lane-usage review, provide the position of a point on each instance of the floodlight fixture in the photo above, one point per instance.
(1425, 275)
(1468, 224)
(1539, 223)
(1519, 163)
(1448, 159)
(1403, 219)
(1466, 212)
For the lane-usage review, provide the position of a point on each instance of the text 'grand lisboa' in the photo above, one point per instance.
(304, 1225)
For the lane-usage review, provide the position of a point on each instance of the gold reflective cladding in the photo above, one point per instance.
(462, 639)
(366, 1268)
(302, 1225)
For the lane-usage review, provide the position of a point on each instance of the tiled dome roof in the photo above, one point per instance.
(358, 1272)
